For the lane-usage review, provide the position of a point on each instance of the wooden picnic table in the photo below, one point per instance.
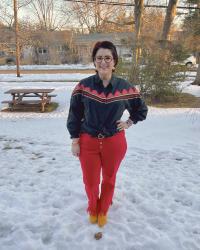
(21, 97)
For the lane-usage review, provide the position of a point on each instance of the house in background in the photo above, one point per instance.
(7, 40)
(38, 47)
(49, 47)
(124, 42)
(59, 47)
(7, 46)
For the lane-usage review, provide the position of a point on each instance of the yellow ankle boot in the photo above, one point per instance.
(102, 220)
(93, 219)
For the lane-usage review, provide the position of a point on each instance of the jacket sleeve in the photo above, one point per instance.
(76, 113)
(136, 107)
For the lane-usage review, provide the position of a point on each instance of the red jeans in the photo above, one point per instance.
(98, 155)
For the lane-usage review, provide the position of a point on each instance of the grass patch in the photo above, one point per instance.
(7, 147)
(32, 108)
(183, 100)
(51, 107)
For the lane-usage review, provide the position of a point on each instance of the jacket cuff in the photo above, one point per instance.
(133, 120)
(74, 136)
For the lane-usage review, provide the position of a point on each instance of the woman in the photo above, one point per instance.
(98, 138)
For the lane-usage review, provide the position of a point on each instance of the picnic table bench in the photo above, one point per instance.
(21, 97)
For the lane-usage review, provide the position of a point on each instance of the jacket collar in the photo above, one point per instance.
(112, 80)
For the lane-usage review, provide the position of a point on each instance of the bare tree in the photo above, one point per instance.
(152, 22)
(6, 13)
(91, 15)
(48, 13)
(138, 11)
(197, 79)
(170, 15)
(192, 30)
(15, 7)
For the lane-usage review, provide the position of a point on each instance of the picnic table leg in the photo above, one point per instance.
(44, 101)
(11, 106)
(43, 106)
(13, 102)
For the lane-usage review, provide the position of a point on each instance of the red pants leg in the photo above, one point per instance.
(97, 154)
(112, 153)
(91, 168)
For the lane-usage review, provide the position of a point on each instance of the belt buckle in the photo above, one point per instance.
(100, 136)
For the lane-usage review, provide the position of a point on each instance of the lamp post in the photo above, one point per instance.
(16, 38)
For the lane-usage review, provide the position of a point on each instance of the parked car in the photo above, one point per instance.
(6, 58)
(190, 61)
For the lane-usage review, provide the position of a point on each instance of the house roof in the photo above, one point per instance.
(48, 37)
(118, 38)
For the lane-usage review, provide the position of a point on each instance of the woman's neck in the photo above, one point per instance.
(105, 79)
(105, 83)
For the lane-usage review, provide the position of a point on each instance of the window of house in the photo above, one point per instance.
(42, 50)
(2, 53)
(62, 48)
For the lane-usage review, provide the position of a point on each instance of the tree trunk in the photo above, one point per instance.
(17, 38)
(197, 79)
(138, 11)
(170, 14)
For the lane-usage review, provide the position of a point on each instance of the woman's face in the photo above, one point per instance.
(104, 62)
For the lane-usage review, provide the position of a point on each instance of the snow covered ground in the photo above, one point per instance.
(60, 66)
(43, 205)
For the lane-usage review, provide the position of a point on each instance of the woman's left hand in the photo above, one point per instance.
(122, 125)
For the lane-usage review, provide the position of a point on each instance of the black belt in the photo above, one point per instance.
(100, 136)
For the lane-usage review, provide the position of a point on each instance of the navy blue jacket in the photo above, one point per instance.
(95, 109)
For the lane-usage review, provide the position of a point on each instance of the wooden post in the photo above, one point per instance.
(17, 38)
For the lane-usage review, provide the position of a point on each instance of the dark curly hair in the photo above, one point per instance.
(105, 45)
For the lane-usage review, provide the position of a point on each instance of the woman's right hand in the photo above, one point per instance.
(75, 148)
